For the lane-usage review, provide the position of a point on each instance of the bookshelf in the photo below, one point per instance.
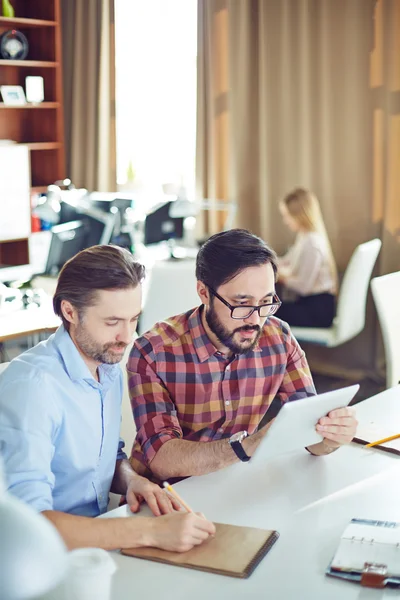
(40, 126)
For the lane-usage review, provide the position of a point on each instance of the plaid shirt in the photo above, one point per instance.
(182, 387)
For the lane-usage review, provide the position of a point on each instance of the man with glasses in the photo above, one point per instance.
(201, 383)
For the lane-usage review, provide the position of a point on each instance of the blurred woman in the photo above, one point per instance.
(308, 270)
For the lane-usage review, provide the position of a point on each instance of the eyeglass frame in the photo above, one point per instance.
(253, 308)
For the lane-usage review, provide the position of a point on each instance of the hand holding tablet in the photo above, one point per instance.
(296, 425)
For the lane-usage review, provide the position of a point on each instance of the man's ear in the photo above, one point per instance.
(203, 293)
(69, 312)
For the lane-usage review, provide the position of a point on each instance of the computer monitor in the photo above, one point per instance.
(67, 240)
(94, 227)
(160, 227)
(99, 226)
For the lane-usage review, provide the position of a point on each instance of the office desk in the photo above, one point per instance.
(34, 320)
(309, 500)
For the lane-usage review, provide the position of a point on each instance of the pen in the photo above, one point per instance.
(383, 440)
(174, 493)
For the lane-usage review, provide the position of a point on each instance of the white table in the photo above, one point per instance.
(309, 500)
(31, 321)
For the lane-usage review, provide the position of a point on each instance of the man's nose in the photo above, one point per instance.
(126, 333)
(253, 319)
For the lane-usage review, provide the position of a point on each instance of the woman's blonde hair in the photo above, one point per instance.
(303, 206)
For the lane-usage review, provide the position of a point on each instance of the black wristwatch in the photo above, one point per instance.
(236, 444)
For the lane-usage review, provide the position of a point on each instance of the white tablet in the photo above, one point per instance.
(294, 426)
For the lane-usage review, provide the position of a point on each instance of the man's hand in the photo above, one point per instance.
(180, 532)
(140, 488)
(339, 427)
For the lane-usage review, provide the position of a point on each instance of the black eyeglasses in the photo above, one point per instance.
(244, 312)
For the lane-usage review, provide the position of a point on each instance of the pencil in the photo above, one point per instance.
(174, 493)
(383, 441)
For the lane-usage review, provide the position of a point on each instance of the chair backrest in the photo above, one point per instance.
(3, 366)
(352, 300)
(171, 290)
(386, 294)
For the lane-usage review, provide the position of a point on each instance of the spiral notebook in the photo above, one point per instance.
(234, 551)
(369, 552)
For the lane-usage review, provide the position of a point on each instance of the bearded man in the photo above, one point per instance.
(60, 415)
(201, 383)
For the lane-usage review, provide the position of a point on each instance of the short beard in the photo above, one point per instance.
(226, 337)
(95, 351)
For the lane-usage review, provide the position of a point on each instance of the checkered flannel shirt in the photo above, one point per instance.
(181, 387)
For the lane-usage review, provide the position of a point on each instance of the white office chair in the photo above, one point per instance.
(3, 366)
(352, 301)
(386, 294)
(171, 290)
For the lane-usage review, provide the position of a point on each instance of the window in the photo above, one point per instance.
(156, 55)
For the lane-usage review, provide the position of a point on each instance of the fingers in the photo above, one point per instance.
(342, 418)
(203, 524)
(153, 504)
(343, 421)
(346, 411)
(164, 502)
(174, 502)
(339, 439)
(200, 536)
(132, 501)
(160, 503)
(339, 429)
(339, 426)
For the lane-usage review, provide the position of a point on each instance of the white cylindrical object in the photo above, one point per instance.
(89, 575)
(32, 553)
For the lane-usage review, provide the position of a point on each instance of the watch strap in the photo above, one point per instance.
(239, 451)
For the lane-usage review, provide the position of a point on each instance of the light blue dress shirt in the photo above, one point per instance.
(59, 428)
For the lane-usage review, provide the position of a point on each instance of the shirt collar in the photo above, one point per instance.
(74, 364)
(202, 343)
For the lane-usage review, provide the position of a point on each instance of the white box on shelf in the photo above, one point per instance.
(34, 88)
(15, 180)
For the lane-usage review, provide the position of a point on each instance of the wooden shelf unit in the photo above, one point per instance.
(19, 22)
(41, 105)
(39, 126)
(29, 63)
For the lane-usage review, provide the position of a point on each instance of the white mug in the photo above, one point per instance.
(89, 575)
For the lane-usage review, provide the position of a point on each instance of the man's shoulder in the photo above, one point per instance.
(35, 366)
(170, 332)
(275, 327)
(277, 334)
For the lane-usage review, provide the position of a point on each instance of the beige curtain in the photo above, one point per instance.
(89, 92)
(304, 92)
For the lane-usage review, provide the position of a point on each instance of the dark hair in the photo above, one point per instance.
(93, 269)
(226, 254)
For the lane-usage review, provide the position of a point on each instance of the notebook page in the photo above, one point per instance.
(372, 431)
(363, 542)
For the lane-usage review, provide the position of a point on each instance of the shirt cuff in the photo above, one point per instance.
(33, 494)
(152, 445)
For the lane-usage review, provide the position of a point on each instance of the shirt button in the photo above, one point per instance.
(228, 367)
(227, 402)
(220, 430)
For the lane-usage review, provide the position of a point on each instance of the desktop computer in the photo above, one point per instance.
(67, 240)
(70, 238)
(160, 227)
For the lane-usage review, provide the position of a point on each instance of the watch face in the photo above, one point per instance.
(238, 437)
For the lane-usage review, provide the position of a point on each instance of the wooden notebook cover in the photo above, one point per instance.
(233, 551)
